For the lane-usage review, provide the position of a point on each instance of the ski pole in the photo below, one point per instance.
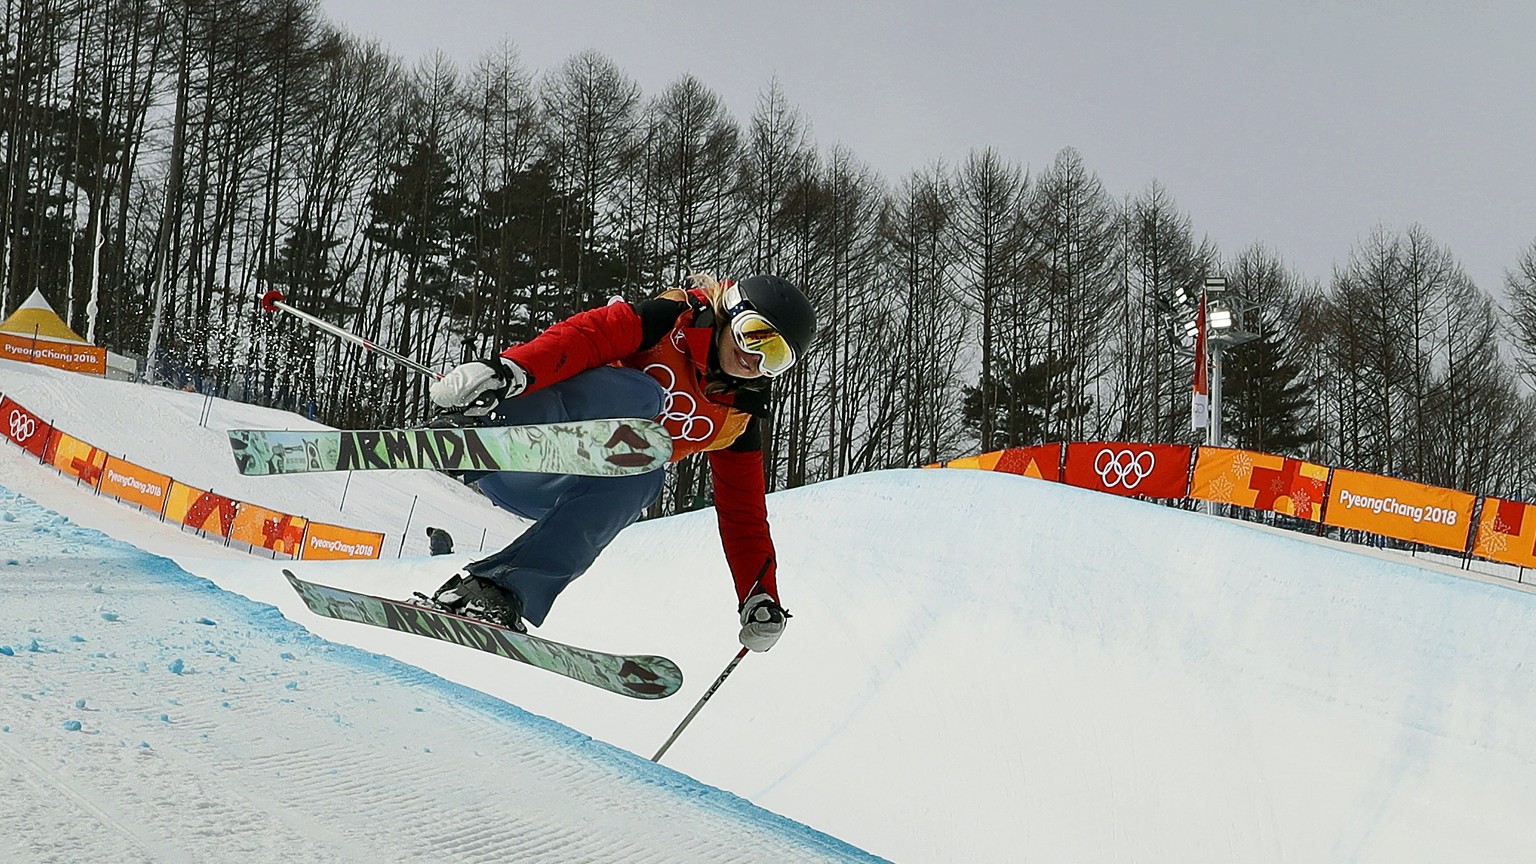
(731, 667)
(273, 301)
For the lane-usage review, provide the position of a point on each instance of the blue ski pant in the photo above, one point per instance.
(575, 517)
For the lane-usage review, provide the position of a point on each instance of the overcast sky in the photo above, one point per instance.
(1299, 123)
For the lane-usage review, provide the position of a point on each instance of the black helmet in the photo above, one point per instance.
(785, 307)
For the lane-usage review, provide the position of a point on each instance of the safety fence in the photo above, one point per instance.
(257, 529)
(1329, 497)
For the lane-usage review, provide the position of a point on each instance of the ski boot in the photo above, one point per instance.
(481, 599)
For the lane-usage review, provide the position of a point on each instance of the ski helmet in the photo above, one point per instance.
(785, 307)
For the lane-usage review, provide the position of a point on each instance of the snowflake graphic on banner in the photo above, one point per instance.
(1222, 488)
(1242, 464)
(1493, 543)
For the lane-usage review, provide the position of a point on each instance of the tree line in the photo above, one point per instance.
(166, 163)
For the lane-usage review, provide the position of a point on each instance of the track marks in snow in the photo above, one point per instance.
(48, 818)
(146, 716)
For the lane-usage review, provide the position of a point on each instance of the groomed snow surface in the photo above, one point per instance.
(980, 668)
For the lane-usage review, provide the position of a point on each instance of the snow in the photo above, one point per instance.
(151, 716)
(980, 668)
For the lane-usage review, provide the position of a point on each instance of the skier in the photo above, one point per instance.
(699, 359)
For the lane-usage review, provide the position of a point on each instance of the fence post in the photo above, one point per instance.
(407, 531)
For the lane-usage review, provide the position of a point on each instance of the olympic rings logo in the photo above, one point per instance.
(680, 409)
(1124, 468)
(22, 426)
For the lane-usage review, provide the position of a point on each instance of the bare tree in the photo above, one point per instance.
(988, 238)
(694, 146)
(782, 199)
(1153, 378)
(1381, 304)
(1268, 382)
(1469, 437)
(1520, 287)
(120, 59)
(170, 210)
(857, 394)
(592, 111)
(920, 265)
(777, 156)
(504, 128)
(1071, 286)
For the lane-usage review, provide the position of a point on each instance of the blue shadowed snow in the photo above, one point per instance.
(260, 621)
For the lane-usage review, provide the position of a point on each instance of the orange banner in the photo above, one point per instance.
(128, 482)
(1507, 532)
(1401, 509)
(983, 462)
(177, 502)
(1042, 462)
(60, 355)
(332, 542)
(76, 458)
(267, 529)
(1262, 481)
(200, 509)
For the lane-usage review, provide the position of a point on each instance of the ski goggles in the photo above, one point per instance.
(756, 335)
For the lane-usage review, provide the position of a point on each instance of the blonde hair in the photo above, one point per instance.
(704, 282)
(715, 381)
(711, 287)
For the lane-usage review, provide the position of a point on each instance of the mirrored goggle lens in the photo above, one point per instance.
(755, 335)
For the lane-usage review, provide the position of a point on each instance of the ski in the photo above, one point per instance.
(591, 447)
(640, 676)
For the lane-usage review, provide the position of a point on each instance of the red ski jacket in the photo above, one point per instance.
(671, 339)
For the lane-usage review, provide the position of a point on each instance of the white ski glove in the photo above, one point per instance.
(466, 383)
(762, 622)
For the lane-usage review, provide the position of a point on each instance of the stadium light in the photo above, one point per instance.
(1223, 315)
(1223, 329)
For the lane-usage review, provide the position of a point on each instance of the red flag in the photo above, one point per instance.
(1200, 401)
